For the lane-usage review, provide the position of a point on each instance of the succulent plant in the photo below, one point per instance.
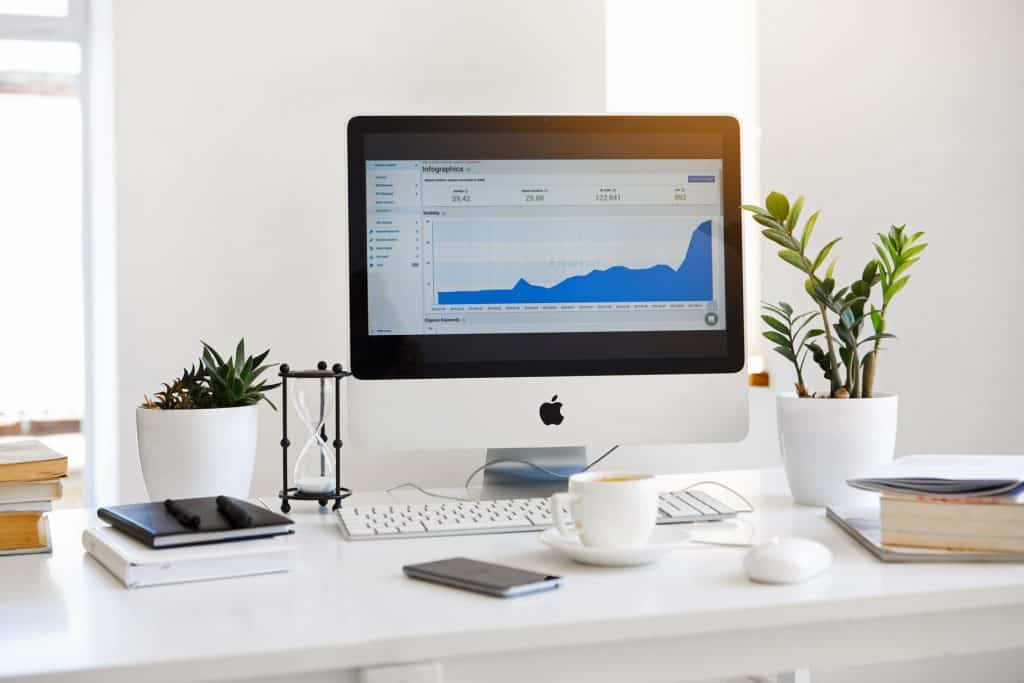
(849, 374)
(234, 382)
(186, 392)
(216, 383)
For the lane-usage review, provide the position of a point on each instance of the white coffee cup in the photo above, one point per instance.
(609, 509)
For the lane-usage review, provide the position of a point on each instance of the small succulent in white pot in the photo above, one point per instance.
(851, 428)
(198, 436)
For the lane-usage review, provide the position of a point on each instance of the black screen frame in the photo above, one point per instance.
(546, 354)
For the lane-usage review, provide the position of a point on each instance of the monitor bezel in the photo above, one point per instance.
(570, 353)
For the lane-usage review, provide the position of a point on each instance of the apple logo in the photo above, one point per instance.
(551, 413)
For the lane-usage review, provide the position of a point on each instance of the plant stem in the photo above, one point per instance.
(867, 386)
(871, 362)
(833, 362)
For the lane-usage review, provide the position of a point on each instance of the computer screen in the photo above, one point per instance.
(543, 246)
(507, 246)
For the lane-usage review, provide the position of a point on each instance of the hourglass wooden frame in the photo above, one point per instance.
(337, 372)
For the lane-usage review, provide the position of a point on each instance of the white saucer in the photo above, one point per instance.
(612, 557)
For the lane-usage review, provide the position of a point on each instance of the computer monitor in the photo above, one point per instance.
(539, 283)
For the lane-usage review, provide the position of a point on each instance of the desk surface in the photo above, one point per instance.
(349, 606)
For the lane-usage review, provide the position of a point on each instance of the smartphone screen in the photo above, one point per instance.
(482, 577)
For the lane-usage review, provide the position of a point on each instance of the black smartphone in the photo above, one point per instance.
(482, 577)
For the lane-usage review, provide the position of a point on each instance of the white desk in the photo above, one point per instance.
(348, 606)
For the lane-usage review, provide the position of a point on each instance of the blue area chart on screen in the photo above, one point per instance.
(691, 280)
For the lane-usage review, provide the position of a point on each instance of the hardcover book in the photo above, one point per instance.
(153, 525)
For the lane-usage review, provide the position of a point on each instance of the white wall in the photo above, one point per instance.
(910, 112)
(230, 128)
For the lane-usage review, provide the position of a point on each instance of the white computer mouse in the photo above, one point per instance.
(787, 560)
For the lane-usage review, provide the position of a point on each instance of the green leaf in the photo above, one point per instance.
(240, 353)
(823, 254)
(808, 230)
(877, 321)
(785, 353)
(870, 271)
(811, 334)
(777, 205)
(779, 238)
(794, 214)
(886, 266)
(894, 289)
(259, 358)
(795, 259)
(786, 307)
(775, 323)
(903, 268)
(754, 209)
(769, 222)
(876, 337)
(830, 271)
(889, 246)
(914, 251)
(216, 356)
(774, 336)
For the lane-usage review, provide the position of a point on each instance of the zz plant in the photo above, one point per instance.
(847, 319)
(217, 383)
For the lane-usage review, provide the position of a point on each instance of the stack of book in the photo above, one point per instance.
(968, 506)
(30, 480)
(191, 539)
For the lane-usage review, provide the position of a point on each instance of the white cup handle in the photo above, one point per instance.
(556, 502)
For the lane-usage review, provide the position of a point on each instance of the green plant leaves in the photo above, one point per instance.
(779, 237)
(823, 254)
(794, 215)
(847, 306)
(808, 230)
(777, 205)
(777, 324)
(794, 258)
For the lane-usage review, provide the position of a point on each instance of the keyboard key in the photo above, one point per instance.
(701, 505)
(716, 505)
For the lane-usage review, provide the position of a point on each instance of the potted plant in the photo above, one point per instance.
(198, 436)
(829, 437)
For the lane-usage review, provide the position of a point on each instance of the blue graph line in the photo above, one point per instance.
(691, 281)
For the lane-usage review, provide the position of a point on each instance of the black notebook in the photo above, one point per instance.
(152, 524)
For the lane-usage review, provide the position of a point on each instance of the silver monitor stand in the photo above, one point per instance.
(517, 480)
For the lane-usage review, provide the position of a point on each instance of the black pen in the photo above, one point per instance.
(235, 513)
(184, 517)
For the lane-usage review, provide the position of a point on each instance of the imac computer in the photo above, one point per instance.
(533, 284)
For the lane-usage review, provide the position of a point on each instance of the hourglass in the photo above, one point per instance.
(317, 472)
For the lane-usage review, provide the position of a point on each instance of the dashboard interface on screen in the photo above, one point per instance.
(458, 246)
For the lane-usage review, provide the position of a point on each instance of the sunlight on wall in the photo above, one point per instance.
(690, 57)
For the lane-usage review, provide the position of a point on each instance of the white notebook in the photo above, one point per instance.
(137, 565)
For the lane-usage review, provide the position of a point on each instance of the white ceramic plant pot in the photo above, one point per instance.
(824, 442)
(194, 453)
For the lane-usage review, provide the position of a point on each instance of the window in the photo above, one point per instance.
(41, 284)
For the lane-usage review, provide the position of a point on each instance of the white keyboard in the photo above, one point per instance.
(456, 518)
